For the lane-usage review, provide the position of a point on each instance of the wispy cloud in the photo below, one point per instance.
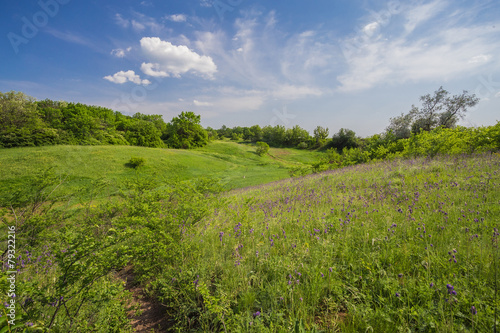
(395, 56)
(120, 53)
(139, 23)
(71, 37)
(176, 18)
(198, 103)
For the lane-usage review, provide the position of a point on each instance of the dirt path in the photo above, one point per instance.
(152, 315)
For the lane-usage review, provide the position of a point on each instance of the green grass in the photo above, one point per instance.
(236, 165)
(359, 249)
(367, 248)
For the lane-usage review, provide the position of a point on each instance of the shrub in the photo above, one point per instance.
(262, 148)
(302, 145)
(136, 162)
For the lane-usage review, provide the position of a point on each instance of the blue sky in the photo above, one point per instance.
(334, 63)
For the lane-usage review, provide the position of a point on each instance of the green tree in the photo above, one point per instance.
(456, 108)
(256, 133)
(185, 131)
(17, 110)
(156, 119)
(400, 126)
(436, 110)
(321, 133)
(345, 138)
(143, 133)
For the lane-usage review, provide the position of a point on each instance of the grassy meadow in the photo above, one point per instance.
(407, 245)
(235, 165)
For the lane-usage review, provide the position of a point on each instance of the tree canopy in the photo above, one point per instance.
(437, 110)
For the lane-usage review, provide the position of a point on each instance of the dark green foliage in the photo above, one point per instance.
(185, 131)
(136, 162)
(143, 133)
(345, 138)
(24, 122)
(262, 148)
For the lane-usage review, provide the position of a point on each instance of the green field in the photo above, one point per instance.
(408, 245)
(235, 165)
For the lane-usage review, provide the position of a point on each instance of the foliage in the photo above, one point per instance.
(136, 162)
(438, 110)
(345, 138)
(262, 148)
(144, 133)
(185, 131)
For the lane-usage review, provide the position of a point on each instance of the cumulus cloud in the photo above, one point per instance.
(153, 70)
(167, 59)
(129, 76)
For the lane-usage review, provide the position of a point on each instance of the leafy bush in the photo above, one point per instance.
(136, 162)
(302, 145)
(262, 148)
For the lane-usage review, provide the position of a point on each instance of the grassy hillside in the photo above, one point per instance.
(399, 246)
(391, 247)
(236, 165)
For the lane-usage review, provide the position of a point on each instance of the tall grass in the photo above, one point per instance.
(393, 246)
(402, 245)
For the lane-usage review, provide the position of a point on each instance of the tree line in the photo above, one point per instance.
(27, 122)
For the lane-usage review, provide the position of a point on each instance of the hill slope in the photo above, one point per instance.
(236, 165)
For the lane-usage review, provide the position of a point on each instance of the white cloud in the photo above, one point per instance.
(153, 70)
(371, 28)
(482, 58)
(420, 14)
(442, 51)
(139, 23)
(497, 95)
(119, 53)
(128, 76)
(198, 103)
(295, 92)
(177, 18)
(168, 59)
